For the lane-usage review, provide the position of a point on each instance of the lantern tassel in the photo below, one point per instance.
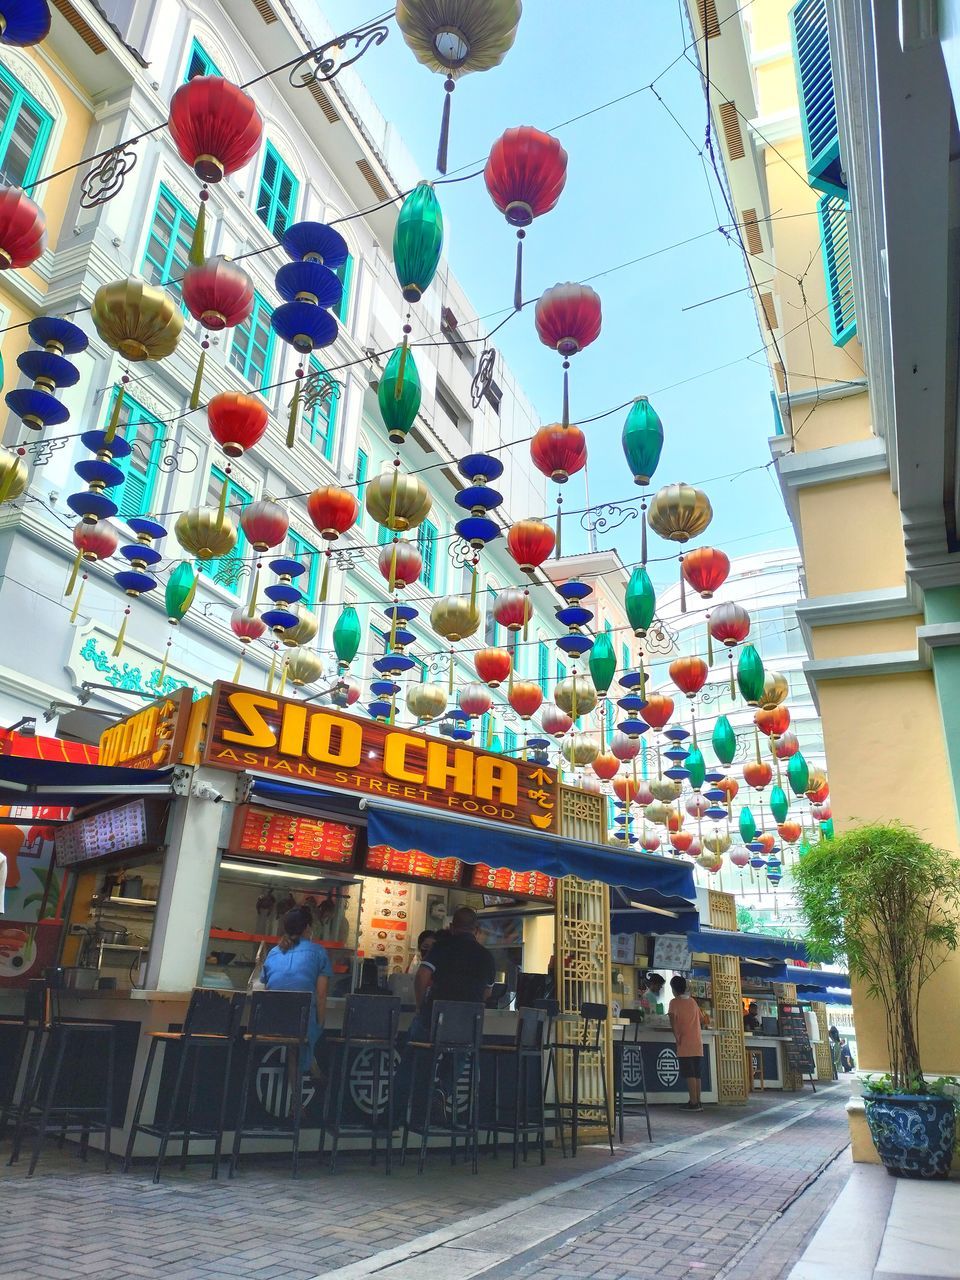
(393, 627)
(393, 566)
(733, 678)
(294, 408)
(254, 592)
(559, 514)
(402, 368)
(114, 422)
(643, 533)
(489, 737)
(222, 507)
(76, 604)
(518, 278)
(283, 679)
(709, 643)
(163, 664)
(121, 636)
(236, 674)
(325, 581)
(393, 707)
(473, 589)
(449, 85)
(683, 589)
(273, 668)
(643, 680)
(566, 397)
(197, 251)
(510, 678)
(72, 580)
(450, 676)
(198, 380)
(392, 510)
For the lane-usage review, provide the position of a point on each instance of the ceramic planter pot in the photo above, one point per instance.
(914, 1133)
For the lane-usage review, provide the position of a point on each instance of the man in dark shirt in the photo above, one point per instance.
(458, 966)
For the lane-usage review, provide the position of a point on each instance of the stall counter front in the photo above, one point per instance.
(656, 1049)
(765, 1055)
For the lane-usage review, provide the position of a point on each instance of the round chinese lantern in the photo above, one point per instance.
(14, 476)
(23, 229)
(679, 512)
(787, 745)
(642, 440)
(303, 630)
(525, 697)
(767, 841)
(555, 723)
(237, 422)
(245, 628)
(757, 774)
(729, 623)
(206, 532)
(575, 695)
(816, 780)
(625, 788)
(345, 692)
(493, 666)
(400, 563)
(525, 174)
(697, 806)
(333, 511)
(718, 842)
(137, 319)
(772, 721)
(530, 543)
(512, 608)
(819, 795)
(265, 524)
(95, 542)
(649, 842)
(658, 710)
(215, 126)
(455, 37)
(418, 241)
(740, 857)
(644, 792)
(776, 689)
(579, 749)
(624, 747)
(476, 699)
(399, 394)
(304, 666)
(606, 766)
(665, 790)
(568, 318)
(689, 675)
(681, 841)
(559, 452)
(220, 296)
(657, 813)
(790, 832)
(729, 787)
(822, 812)
(400, 502)
(455, 617)
(706, 570)
(427, 701)
(640, 601)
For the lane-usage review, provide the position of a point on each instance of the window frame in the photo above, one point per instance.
(303, 549)
(345, 275)
(21, 97)
(274, 204)
(234, 491)
(210, 68)
(427, 534)
(182, 217)
(249, 326)
(138, 415)
(311, 416)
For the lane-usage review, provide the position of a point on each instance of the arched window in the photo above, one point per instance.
(25, 127)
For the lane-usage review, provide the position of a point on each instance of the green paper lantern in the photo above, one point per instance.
(697, 767)
(399, 394)
(826, 829)
(642, 440)
(603, 663)
(750, 674)
(346, 636)
(724, 740)
(181, 588)
(418, 241)
(640, 601)
(748, 827)
(779, 804)
(798, 773)
(803, 848)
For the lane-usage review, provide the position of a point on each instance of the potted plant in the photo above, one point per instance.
(890, 902)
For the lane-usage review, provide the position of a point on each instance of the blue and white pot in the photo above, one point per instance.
(914, 1133)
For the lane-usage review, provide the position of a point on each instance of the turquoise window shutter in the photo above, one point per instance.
(227, 570)
(308, 555)
(24, 133)
(543, 666)
(835, 246)
(277, 195)
(167, 254)
(346, 279)
(818, 104)
(141, 466)
(200, 63)
(320, 420)
(360, 474)
(427, 546)
(252, 348)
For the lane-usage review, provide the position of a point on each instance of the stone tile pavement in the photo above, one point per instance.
(72, 1219)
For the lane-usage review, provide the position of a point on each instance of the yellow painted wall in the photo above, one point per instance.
(888, 635)
(823, 423)
(852, 539)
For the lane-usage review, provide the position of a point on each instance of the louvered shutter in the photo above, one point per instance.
(834, 238)
(818, 104)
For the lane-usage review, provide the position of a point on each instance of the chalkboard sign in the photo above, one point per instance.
(794, 1026)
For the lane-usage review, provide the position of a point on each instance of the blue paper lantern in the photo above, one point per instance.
(24, 22)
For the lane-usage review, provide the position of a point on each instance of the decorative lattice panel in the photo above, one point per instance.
(582, 815)
(822, 1050)
(727, 1007)
(723, 910)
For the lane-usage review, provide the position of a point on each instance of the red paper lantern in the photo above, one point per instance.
(525, 174)
(606, 767)
(757, 774)
(729, 623)
(681, 841)
(790, 832)
(218, 294)
(729, 787)
(766, 842)
(403, 560)
(237, 422)
(705, 569)
(333, 511)
(625, 787)
(674, 821)
(512, 608)
(819, 795)
(787, 745)
(822, 812)
(739, 856)
(568, 318)
(530, 543)
(23, 229)
(264, 523)
(95, 541)
(658, 710)
(525, 697)
(245, 627)
(772, 721)
(493, 666)
(554, 721)
(559, 452)
(215, 126)
(689, 675)
(475, 699)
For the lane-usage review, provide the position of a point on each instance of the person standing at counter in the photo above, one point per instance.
(687, 1022)
(751, 1019)
(296, 964)
(650, 998)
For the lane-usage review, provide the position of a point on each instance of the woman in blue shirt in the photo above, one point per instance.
(297, 964)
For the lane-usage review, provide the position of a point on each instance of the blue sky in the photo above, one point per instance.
(635, 185)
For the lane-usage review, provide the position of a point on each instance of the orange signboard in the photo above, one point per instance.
(529, 884)
(260, 732)
(413, 863)
(271, 833)
(151, 738)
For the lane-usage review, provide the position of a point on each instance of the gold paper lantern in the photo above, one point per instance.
(206, 532)
(398, 509)
(678, 512)
(665, 790)
(455, 37)
(304, 666)
(710, 861)
(775, 690)
(427, 701)
(579, 749)
(304, 630)
(718, 843)
(137, 319)
(658, 813)
(455, 617)
(576, 696)
(14, 476)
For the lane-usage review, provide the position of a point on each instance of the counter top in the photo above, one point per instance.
(754, 1039)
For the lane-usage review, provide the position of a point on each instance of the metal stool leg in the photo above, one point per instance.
(171, 1112)
(475, 1107)
(375, 1105)
(425, 1135)
(242, 1111)
(606, 1099)
(390, 1118)
(337, 1116)
(222, 1118)
(296, 1084)
(194, 1073)
(575, 1114)
(49, 1096)
(138, 1110)
(108, 1101)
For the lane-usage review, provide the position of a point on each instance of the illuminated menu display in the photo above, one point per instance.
(529, 884)
(269, 833)
(420, 866)
(102, 834)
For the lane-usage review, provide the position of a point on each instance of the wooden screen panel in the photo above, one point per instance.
(732, 1083)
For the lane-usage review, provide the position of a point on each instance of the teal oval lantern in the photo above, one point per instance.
(779, 804)
(603, 663)
(750, 674)
(798, 773)
(181, 589)
(640, 601)
(399, 394)
(748, 826)
(642, 440)
(724, 740)
(826, 829)
(418, 241)
(346, 637)
(696, 767)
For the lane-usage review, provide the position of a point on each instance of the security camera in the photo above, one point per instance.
(204, 791)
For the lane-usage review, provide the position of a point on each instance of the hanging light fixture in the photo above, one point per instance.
(141, 557)
(139, 320)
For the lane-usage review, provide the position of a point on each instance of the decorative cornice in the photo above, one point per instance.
(837, 462)
(862, 666)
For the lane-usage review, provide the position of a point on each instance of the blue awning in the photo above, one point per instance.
(816, 979)
(302, 795)
(55, 783)
(748, 946)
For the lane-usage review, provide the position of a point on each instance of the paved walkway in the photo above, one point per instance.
(711, 1183)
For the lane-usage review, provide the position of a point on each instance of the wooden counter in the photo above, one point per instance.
(661, 1066)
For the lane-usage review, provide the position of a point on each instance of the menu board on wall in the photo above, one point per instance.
(385, 922)
(271, 833)
(127, 828)
(421, 866)
(670, 951)
(529, 884)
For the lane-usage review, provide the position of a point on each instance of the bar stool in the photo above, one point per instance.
(520, 1059)
(456, 1033)
(41, 1110)
(212, 1023)
(588, 1049)
(276, 1018)
(30, 1027)
(370, 1025)
(635, 1061)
